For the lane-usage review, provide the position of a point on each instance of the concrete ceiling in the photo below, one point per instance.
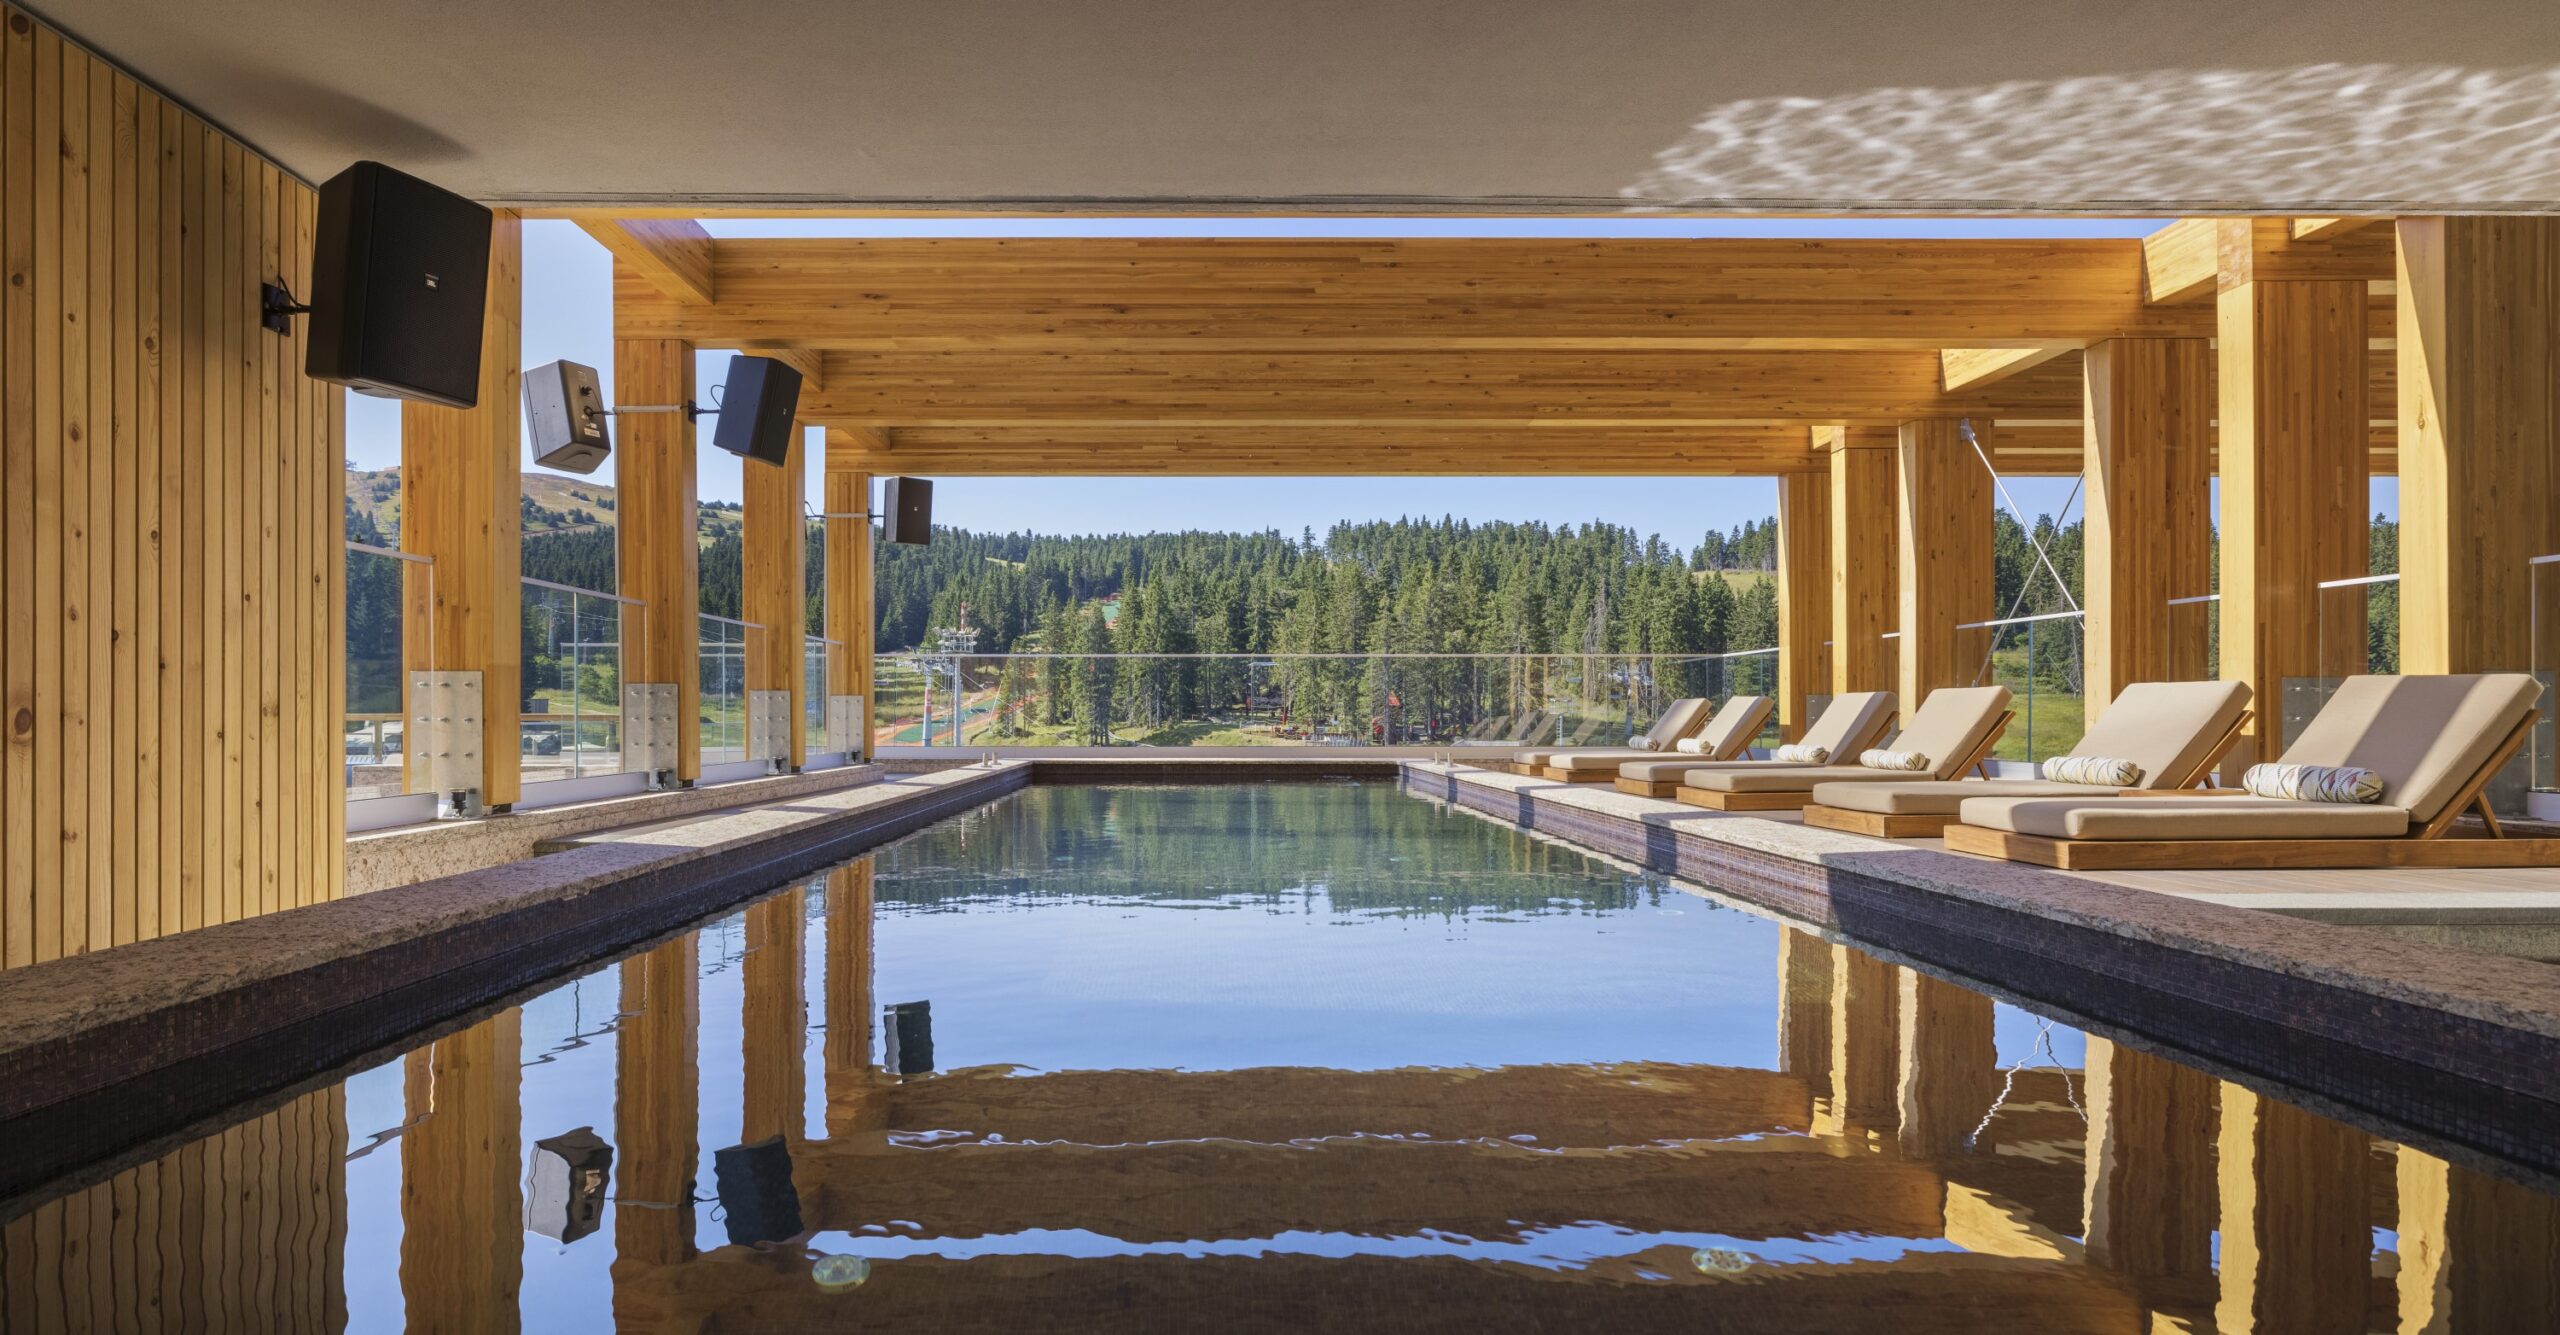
(2112, 106)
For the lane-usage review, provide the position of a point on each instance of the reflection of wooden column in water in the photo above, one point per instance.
(2476, 1254)
(655, 1100)
(1949, 1069)
(849, 1009)
(242, 1230)
(461, 1210)
(2297, 1236)
(777, 1020)
(1864, 1036)
(2149, 1202)
(1804, 1010)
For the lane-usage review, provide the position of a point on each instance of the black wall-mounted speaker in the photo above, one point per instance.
(907, 504)
(399, 285)
(757, 402)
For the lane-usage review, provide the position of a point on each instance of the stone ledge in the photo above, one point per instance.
(381, 859)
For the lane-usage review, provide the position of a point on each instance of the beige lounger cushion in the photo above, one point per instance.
(1679, 719)
(1851, 723)
(2166, 727)
(1604, 762)
(1926, 797)
(1661, 771)
(2184, 818)
(1734, 726)
(1769, 778)
(1949, 725)
(2426, 736)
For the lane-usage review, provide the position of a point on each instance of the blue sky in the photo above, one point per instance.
(568, 314)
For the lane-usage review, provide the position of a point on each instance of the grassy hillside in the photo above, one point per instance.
(552, 504)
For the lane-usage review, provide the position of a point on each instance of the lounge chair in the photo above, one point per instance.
(1725, 736)
(1681, 718)
(1954, 728)
(1849, 724)
(2175, 732)
(2433, 741)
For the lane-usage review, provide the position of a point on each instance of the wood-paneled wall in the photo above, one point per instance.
(1804, 595)
(174, 574)
(775, 595)
(1945, 525)
(849, 606)
(1865, 558)
(654, 534)
(2149, 537)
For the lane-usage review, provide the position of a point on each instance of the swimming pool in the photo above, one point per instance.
(1262, 1056)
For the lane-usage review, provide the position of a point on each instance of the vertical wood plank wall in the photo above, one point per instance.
(775, 592)
(654, 529)
(1865, 560)
(1945, 526)
(2149, 465)
(850, 620)
(174, 576)
(1804, 595)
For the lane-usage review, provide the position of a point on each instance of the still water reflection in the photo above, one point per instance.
(1274, 1058)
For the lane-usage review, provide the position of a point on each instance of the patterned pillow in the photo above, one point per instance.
(1798, 751)
(2099, 771)
(1690, 746)
(1912, 760)
(1640, 742)
(2313, 783)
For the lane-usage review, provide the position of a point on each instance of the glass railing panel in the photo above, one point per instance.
(2041, 660)
(569, 720)
(2359, 632)
(381, 585)
(2192, 642)
(813, 694)
(724, 689)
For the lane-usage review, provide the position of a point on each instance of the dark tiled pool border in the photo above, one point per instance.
(2484, 1093)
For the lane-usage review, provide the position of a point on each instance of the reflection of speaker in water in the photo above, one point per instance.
(756, 1194)
(565, 1188)
(908, 1035)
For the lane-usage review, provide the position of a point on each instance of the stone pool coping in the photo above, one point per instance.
(126, 1050)
(2459, 1050)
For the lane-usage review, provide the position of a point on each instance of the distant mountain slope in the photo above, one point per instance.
(552, 504)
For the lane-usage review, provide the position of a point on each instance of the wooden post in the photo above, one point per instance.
(654, 527)
(850, 619)
(1865, 556)
(776, 1019)
(2148, 1206)
(2476, 1254)
(1804, 595)
(1945, 526)
(461, 1210)
(1949, 1068)
(460, 483)
(2479, 391)
(2148, 418)
(775, 587)
(1865, 1037)
(2295, 463)
(2296, 1207)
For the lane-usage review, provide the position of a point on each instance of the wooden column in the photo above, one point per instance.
(850, 619)
(1865, 558)
(2479, 392)
(2476, 1254)
(2148, 418)
(460, 488)
(2295, 466)
(776, 1020)
(1949, 1068)
(654, 525)
(1804, 595)
(2149, 1197)
(1865, 1037)
(1804, 1010)
(656, 1098)
(775, 593)
(1944, 518)
(2296, 1209)
(461, 1209)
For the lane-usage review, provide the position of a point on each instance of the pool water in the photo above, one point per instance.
(1272, 1057)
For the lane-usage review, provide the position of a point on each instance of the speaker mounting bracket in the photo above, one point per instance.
(276, 308)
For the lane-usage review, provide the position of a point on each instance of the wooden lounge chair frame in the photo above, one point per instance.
(1717, 799)
(2434, 844)
(1671, 787)
(1930, 825)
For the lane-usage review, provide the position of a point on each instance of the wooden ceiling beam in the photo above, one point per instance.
(2321, 229)
(951, 388)
(1969, 368)
(673, 256)
(1304, 293)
